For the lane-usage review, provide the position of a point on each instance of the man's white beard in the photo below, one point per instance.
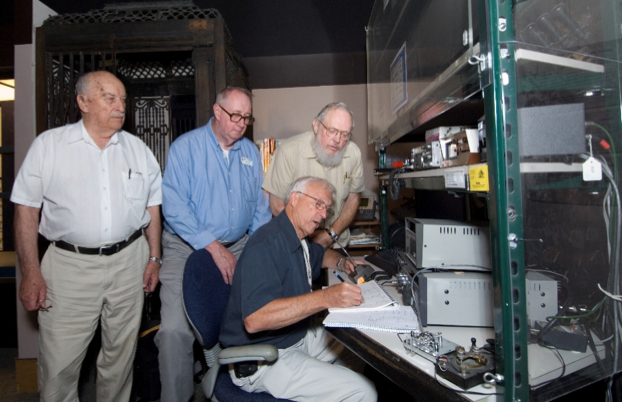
(324, 158)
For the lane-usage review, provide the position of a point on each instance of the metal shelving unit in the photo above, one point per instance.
(544, 214)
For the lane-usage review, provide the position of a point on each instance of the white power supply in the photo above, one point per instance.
(541, 297)
(456, 298)
(448, 244)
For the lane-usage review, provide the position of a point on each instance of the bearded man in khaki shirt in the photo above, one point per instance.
(327, 153)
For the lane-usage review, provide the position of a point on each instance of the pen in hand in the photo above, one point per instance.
(338, 276)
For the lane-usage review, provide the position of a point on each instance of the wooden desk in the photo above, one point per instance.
(413, 373)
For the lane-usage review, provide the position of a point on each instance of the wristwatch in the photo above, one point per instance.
(332, 234)
(156, 259)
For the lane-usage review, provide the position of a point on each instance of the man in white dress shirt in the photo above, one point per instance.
(99, 188)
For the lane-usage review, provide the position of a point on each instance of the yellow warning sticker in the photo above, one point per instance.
(478, 178)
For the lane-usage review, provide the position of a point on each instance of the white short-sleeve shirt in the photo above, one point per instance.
(89, 196)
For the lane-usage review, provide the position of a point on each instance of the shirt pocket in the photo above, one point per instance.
(134, 186)
(343, 189)
(250, 187)
(347, 183)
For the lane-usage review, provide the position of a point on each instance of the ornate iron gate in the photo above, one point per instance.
(166, 53)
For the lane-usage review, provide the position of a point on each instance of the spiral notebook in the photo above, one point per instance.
(374, 298)
(401, 319)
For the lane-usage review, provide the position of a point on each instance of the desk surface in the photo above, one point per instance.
(413, 373)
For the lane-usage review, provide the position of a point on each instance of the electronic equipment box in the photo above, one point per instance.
(426, 156)
(456, 298)
(448, 244)
(460, 149)
(541, 297)
(367, 208)
(551, 130)
(439, 133)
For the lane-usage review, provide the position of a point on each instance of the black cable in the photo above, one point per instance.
(592, 345)
(545, 330)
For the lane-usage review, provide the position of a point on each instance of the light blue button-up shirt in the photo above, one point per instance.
(206, 197)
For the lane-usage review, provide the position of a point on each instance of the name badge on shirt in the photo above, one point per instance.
(247, 161)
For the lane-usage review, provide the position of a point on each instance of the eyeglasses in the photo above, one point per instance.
(319, 204)
(343, 135)
(236, 117)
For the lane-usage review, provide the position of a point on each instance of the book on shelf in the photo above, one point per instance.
(266, 151)
(401, 319)
(371, 239)
(374, 298)
(358, 237)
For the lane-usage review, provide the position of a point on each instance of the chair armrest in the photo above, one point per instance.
(237, 354)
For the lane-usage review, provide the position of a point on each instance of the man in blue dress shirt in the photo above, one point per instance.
(212, 199)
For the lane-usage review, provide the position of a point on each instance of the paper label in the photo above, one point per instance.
(592, 170)
(247, 161)
(454, 178)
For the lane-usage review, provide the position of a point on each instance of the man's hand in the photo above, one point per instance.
(225, 261)
(349, 267)
(150, 277)
(343, 295)
(322, 237)
(32, 291)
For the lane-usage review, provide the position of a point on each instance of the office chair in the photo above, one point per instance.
(205, 296)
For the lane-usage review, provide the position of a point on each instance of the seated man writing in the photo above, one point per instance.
(272, 302)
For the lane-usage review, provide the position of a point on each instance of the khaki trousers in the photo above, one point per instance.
(309, 371)
(82, 290)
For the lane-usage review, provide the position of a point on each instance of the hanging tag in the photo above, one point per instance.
(592, 170)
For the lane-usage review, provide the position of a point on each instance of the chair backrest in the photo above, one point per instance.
(205, 296)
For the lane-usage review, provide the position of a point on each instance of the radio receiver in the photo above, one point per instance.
(448, 244)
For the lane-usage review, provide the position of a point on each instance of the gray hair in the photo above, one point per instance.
(82, 85)
(222, 95)
(302, 183)
(332, 106)
(84, 81)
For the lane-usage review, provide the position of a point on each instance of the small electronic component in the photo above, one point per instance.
(427, 156)
(460, 149)
(427, 344)
(362, 273)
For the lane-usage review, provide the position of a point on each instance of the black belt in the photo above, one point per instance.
(228, 244)
(103, 250)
